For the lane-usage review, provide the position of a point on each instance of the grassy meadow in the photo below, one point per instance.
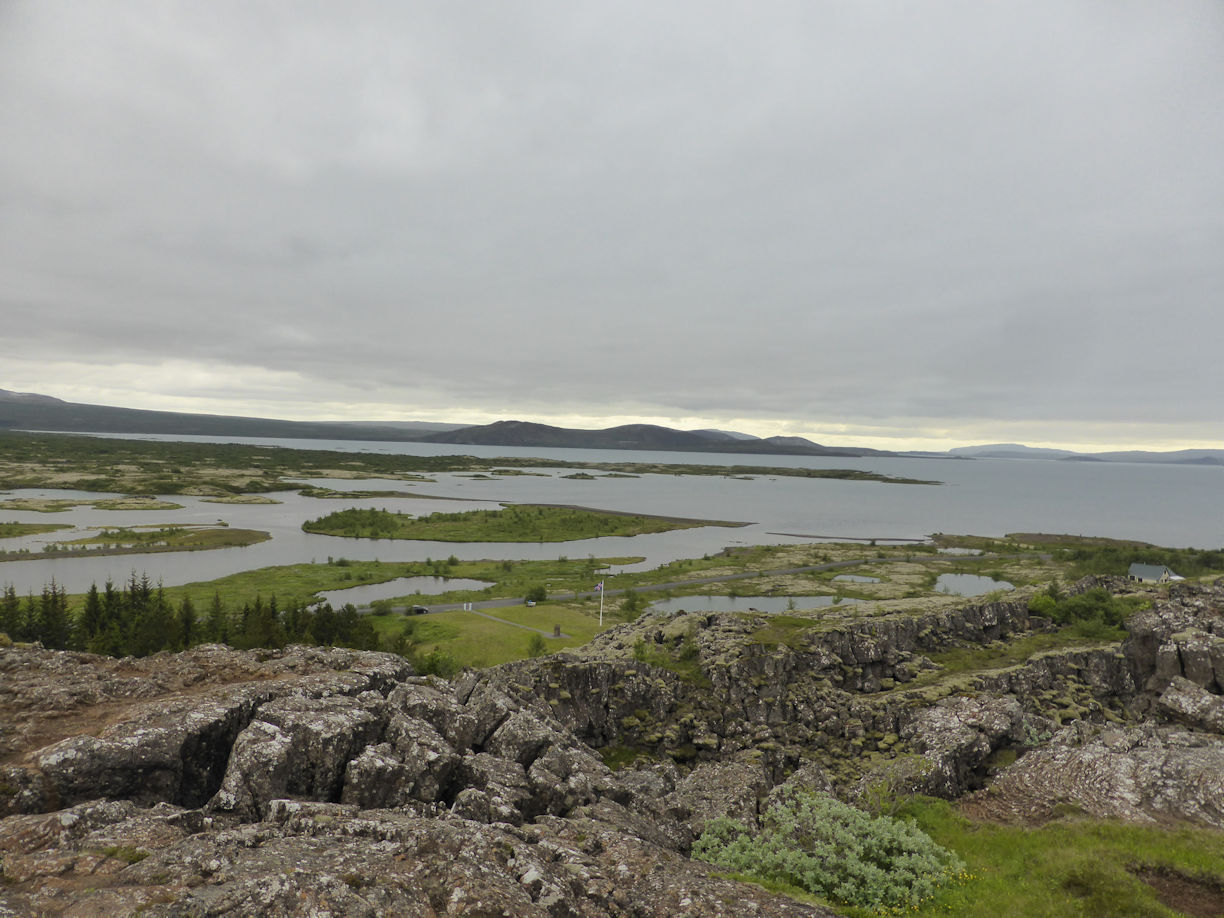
(514, 523)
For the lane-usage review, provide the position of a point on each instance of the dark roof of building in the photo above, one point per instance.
(1149, 571)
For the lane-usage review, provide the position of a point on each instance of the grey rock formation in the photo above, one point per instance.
(1144, 774)
(306, 781)
(956, 735)
(1189, 703)
(735, 788)
(344, 786)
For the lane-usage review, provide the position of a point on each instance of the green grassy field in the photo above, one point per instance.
(171, 538)
(300, 582)
(12, 530)
(474, 640)
(1074, 867)
(54, 505)
(220, 469)
(517, 523)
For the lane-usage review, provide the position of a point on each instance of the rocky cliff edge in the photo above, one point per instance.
(313, 781)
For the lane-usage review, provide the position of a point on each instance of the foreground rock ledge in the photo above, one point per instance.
(318, 781)
(309, 781)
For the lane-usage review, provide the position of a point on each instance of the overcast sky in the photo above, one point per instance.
(888, 224)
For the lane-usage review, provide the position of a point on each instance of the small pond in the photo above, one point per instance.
(960, 551)
(742, 603)
(969, 584)
(856, 578)
(401, 586)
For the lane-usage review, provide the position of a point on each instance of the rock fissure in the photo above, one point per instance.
(339, 781)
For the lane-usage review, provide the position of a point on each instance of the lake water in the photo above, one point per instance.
(401, 586)
(1165, 504)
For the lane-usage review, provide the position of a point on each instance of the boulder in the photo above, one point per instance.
(1188, 702)
(958, 735)
(733, 789)
(1145, 774)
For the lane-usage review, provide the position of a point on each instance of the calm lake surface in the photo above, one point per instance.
(1165, 504)
(400, 586)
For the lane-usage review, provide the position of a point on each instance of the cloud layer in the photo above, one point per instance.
(898, 221)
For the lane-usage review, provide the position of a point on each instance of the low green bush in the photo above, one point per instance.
(829, 848)
(436, 663)
(1092, 614)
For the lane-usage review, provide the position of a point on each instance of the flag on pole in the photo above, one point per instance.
(599, 587)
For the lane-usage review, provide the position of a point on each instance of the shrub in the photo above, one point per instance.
(829, 848)
(536, 646)
(1042, 604)
(436, 663)
(1092, 614)
(632, 603)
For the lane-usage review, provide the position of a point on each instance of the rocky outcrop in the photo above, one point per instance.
(309, 858)
(352, 787)
(167, 739)
(714, 687)
(1144, 774)
(1170, 766)
(306, 781)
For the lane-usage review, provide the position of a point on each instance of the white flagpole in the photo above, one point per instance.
(602, 590)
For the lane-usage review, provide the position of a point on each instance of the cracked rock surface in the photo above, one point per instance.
(310, 781)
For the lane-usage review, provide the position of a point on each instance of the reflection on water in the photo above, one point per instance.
(969, 584)
(856, 578)
(400, 586)
(744, 603)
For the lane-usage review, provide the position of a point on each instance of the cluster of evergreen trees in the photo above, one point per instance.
(137, 619)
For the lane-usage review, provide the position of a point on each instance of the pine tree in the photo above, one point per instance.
(263, 627)
(31, 628)
(54, 623)
(217, 625)
(150, 621)
(188, 629)
(91, 618)
(11, 622)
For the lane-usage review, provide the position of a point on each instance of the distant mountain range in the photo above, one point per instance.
(1017, 451)
(636, 436)
(30, 411)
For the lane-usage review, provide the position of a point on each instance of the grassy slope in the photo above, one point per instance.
(477, 641)
(1072, 867)
(13, 530)
(519, 523)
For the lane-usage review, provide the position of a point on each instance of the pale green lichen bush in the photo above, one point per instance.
(829, 848)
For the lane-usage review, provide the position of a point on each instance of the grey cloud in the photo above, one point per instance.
(794, 211)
